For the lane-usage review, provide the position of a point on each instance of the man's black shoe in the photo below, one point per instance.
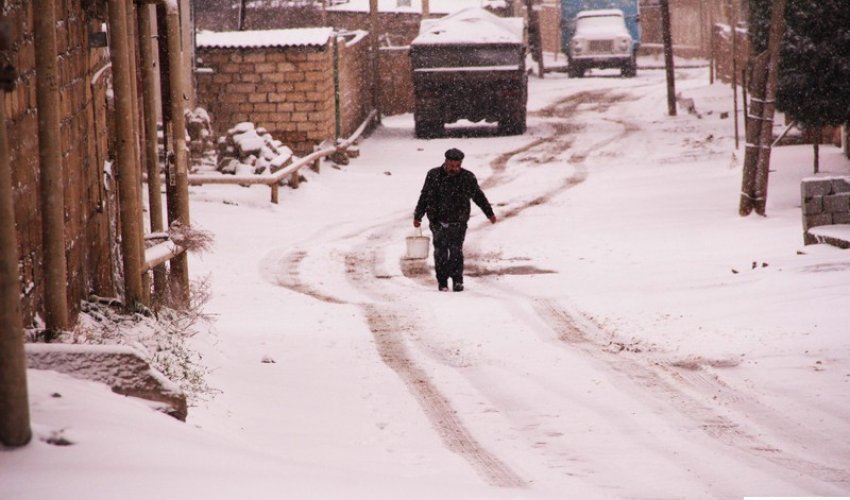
(443, 287)
(458, 287)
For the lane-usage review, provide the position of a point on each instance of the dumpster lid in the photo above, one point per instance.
(471, 26)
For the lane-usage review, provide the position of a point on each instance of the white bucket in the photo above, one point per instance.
(417, 246)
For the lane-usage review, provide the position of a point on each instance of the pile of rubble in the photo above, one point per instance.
(201, 143)
(247, 150)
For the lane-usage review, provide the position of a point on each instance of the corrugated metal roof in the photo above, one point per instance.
(296, 37)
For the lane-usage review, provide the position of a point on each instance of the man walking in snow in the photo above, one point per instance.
(445, 199)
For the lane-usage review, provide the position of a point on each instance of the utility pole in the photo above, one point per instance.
(243, 7)
(376, 77)
(668, 57)
(14, 403)
(535, 38)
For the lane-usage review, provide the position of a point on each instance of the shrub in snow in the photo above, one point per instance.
(162, 339)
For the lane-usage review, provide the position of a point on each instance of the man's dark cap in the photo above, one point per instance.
(454, 154)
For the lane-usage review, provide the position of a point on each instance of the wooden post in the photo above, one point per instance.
(275, 192)
(816, 143)
(712, 56)
(52, 193)
(131, 244)
(777, 27)
(149, 81)
(137, 128)
(14, 405)
(735, 72)
(744, 84)
(668, 57)
(178, 172)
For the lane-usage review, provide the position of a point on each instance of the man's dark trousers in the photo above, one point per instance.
(448, 251)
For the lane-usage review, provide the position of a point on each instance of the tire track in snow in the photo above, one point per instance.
(389, 326)
(392, 323)
(668, 382)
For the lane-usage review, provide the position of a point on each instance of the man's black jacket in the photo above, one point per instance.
(445, 198)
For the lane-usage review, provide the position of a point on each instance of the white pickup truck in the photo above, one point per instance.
(601, 40)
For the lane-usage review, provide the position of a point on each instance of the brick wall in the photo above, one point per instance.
(722, 40)
(396, 81)
(83, 146)
(287, 90)
(825, 201)
(355, 84)
(396, 28)
(550, 28)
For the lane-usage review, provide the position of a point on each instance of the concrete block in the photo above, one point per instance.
(818, 220)
(813, 205)
(837, 203)
(842, 218)
(120, 367)
(841, 185)
(815, 187)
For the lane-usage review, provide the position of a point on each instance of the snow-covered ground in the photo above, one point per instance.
(624, 333)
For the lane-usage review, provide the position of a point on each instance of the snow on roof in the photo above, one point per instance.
(473, 25)
(296, 37)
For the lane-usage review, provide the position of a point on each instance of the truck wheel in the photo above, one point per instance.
(629, 70)
(513, 124)
(428, 130)
(575, 71)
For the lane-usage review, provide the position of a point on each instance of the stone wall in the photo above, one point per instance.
(289, 91)
(825, 201)
(84, 148)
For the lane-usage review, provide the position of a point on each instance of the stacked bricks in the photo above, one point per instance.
(289, 91)
(825, 201)
(84, 139)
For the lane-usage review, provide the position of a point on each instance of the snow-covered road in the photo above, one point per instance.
(624, 334)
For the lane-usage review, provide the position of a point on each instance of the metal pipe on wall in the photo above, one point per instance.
(52, 192)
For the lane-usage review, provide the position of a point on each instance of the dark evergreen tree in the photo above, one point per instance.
(814, 68)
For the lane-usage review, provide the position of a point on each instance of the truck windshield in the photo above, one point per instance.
(599, 23)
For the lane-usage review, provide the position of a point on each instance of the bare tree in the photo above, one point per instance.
(762, 106)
